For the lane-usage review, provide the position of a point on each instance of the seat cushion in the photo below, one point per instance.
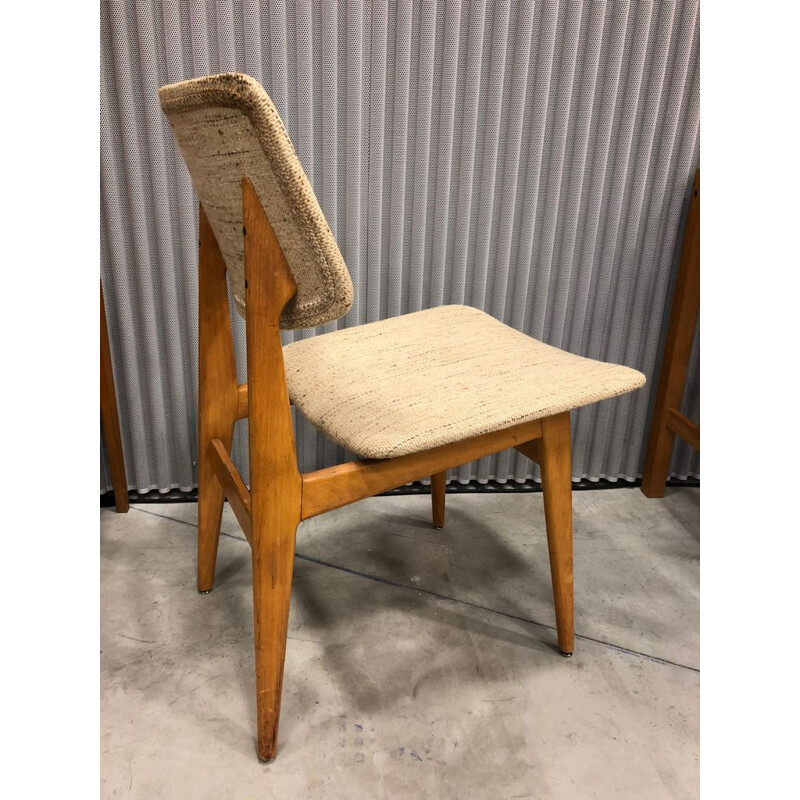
(438, 376)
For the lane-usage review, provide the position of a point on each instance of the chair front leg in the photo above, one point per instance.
(557, 486)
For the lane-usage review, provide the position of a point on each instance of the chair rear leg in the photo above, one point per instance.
(276, 487)
(273, 559)
(217, 396)
(438, 488)
(557, 487)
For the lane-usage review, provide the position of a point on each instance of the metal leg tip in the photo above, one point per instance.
(566, 655)
(438, 527)
(204, 591)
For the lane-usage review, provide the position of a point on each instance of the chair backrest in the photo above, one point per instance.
(227, 127)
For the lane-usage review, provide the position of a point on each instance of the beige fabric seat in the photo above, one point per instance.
(438, 376)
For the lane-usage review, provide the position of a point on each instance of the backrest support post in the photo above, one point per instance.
(269, 286)
(218, 388)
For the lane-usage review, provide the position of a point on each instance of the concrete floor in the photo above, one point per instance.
(420, 663)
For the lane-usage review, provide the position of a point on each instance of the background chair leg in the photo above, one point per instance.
(210, 500)
(273, 558)
(110, 416)
(659, 454)
(438, 488)
(557, 487)
(677, 352)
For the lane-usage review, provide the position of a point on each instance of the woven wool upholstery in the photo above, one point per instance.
(227, 127)
(438, 376)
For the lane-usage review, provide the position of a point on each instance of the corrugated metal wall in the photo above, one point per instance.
(533, 159)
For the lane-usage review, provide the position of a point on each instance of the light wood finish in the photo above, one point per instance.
(242, 403)
(531, 450)
(242, 407)
(553, 456)
(276, 492)
(438, 490)
(675, 364)
(232, 486)
(688, 431)
(280, 497)
(557, 489)
(218, 397)
(110, 416)
(341, 485)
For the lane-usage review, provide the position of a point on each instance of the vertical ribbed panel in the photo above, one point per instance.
(533, 159)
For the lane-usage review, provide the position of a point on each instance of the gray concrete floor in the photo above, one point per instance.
(420, 663)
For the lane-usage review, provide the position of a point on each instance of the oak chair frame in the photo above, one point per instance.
(668, 421)
(280, 496)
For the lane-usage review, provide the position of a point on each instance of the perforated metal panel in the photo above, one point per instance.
(533, 159)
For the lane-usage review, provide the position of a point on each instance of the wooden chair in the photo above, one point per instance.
(667, 417)
(413, 396)
(110, 417)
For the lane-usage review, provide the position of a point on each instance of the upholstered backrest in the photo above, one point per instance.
(227, 127)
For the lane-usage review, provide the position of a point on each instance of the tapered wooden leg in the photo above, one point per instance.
(210, 501)
(555, 458)
(659, 453)
(275, 483)
(217, 397)
(438, 489)
(273, 556)
(677, 352)
(110, 416)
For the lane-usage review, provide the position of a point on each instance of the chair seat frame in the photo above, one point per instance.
(280, 496)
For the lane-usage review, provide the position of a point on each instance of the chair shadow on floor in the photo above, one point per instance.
(387, 561)
(317, 590)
